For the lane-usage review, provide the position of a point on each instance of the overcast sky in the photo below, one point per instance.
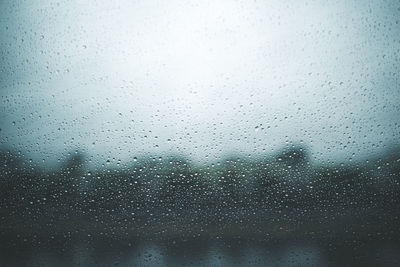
(203, 79)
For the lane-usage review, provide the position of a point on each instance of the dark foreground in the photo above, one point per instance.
(277, 211)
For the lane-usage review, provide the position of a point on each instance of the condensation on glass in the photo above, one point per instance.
(200, 133)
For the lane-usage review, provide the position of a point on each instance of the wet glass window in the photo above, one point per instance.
(200, 133)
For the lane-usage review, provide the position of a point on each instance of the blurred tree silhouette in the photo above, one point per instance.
(171, 189)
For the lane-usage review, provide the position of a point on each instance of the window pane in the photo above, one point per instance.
(211, 133)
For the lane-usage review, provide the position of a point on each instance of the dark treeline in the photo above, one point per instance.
(171, 191)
